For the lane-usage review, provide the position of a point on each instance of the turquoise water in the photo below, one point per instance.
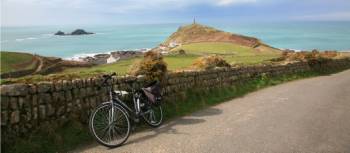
(40, 40)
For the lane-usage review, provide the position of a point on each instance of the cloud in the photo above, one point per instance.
(232, 2)
(332, 16)
(39, 12)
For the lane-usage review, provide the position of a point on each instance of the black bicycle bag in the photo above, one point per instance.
(153, 93)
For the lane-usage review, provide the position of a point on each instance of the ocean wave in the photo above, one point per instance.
(47, 35)
(42, 36)
(296, 50)
(19, 40)
(78, 57)
(23, 39)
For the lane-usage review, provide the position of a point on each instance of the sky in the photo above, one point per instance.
(104, 12)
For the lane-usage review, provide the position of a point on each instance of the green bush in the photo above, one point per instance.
(152, 66)
(210, 62)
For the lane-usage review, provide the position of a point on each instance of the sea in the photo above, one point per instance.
(285, 35)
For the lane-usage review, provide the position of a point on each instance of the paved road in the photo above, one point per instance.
(311, 115)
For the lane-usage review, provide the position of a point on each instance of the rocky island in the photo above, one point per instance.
(75, 32)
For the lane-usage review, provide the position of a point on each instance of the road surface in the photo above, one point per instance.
(310, 115)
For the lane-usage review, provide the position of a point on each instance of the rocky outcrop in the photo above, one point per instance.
(75, 32)
(81, 32)
(125, 54)
(60, 33)
(112, 57)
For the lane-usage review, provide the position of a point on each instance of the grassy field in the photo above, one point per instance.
(232, 53)
(13, 61)
(174, 62)
(221, 48)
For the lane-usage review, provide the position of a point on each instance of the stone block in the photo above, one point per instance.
(5, 101)
(42, 112)
(67, 85)
(58, 86)
(14, 118)
(44, 87)
(60, 111)
(4, 118)
(35, 113)
(14, 103)
(32, 89)
(76, 93)
(82, 92)
(50, 110)
(68, 95)
(14, 90)
(45, 98)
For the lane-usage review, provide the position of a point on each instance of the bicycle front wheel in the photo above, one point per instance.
(110, 126)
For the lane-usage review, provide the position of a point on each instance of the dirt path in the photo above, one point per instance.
(311, 115)
(41, 64)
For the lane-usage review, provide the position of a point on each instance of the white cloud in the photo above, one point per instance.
(232, 2)
(333, 16)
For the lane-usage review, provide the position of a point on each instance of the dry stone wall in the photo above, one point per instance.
(25, 107)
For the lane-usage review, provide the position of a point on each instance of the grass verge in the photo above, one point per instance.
(73, 134)
(201, 98)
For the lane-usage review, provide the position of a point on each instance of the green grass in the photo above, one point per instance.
(174, 62)
(205, 48)
(121, 67)
(13, 61)
(232, 53)
(197, 99)
(52, 139)
(249, 60)
(71, 135)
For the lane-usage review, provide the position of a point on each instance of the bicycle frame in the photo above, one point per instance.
(114, 100)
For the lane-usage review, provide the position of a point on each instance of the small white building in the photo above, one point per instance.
(111, 59)
(173, 44)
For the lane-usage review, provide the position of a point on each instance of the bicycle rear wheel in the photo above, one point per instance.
(110, 127)
(153, 115)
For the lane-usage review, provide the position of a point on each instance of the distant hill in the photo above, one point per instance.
(16, 64)
(200, 39)
(13, 61)
(195, 33)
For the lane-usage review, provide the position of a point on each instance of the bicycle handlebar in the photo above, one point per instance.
(107, 77)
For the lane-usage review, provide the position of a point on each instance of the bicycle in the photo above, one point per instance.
(110, 122)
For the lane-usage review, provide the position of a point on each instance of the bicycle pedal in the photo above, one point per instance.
(136, 120)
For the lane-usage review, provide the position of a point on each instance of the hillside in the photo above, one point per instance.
(195, 40)
(16, 64)
(13, 61)
(195, 33)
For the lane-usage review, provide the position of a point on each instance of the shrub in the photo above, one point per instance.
(306, 56)
(152, 66)
(210, 62)
(182, 52)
